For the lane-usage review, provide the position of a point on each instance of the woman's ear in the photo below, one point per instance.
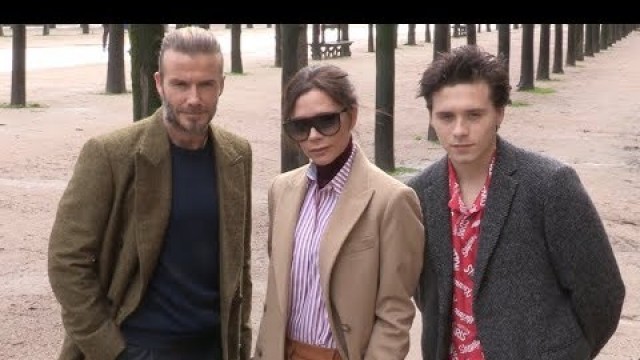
(353, 115)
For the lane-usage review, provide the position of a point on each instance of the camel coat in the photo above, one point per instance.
(370, 259)
(109, 230)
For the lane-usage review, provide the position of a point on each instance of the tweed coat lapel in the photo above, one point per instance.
(152, 195)
(231, 179)
(438, 219)
(284, 225)
(501, 192)
(353, 201)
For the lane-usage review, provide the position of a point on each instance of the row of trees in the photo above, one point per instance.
(292, 54)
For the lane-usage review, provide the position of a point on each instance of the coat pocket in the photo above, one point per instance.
(357, 245)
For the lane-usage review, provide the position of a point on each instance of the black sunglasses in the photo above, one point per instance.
(327, 124)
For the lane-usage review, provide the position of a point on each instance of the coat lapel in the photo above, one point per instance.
(152, 194)
(438, 219)
(231, 179)
(501, 192)
(352, 202)
(283, 229)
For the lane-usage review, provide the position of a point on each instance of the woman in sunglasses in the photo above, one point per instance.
(345, 239)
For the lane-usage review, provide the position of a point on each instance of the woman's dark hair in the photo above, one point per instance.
(330, 79)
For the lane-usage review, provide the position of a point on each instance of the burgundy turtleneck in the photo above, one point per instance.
(327, 172)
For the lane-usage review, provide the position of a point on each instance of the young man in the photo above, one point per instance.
(150, 252)
(518, 264)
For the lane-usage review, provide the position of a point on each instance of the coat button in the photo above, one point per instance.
(259, 353)
(264, 308)
(345, 327)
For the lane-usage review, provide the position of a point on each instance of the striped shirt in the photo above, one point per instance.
(308, 318)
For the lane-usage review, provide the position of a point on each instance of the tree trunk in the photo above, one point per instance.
(315, 42)
(19, 65)
(557, 50)
(115, 67)
(440, 39)
(385, 95)
(543, 55)
(526, 69)
(291, 155)
(85, 28)
(411, 34)
(345, 32)
(488, 27)
(1, 30)
(45, 30)
(580, 42)
(603, 37)
(395, 36)
(249, 26)
(471, 34)
(441, 43)
(278, 52)
(588, 40)
(145, 41)
(370, 46)
(596, 38)
(504, 43)
(571, 45)
(236, 54)
(303, 52)
(427, 33)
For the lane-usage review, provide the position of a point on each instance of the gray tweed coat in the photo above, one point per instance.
(547, 285)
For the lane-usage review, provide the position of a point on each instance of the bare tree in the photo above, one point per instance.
(596, 38)
(543, 55)
(145, 40)
(19, 65)
(603, 37)
(278, 36)
(385, 95)
(571, 45)
(115, 66)
(441, 43)
(504, 43)
(411, 34)
(291, 155)
(580, 42)
(303, 52)
(526, 62)
(236, 54)
(471, 34)
(557, 50)
(588, 40)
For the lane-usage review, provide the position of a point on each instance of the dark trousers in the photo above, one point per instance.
(134, 352)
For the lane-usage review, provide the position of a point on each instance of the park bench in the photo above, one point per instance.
(459, 30)
(333, 49)
(324, 49)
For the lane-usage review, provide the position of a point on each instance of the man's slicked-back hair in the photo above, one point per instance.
(190, 40)
(328, 78)
(466, 65)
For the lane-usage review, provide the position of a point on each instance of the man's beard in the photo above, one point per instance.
(171, 116)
